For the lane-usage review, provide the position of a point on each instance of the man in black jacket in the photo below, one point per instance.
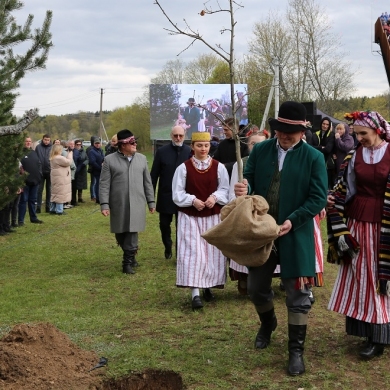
(32, 165)
(43, 151)
(165, 162)
(226, 151)
(192, 117)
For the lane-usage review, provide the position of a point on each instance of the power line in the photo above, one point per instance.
(66, 101)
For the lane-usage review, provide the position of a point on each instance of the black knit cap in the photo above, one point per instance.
(124, 134)
(291, 118)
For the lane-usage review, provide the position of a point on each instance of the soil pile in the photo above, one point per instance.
(40, 357)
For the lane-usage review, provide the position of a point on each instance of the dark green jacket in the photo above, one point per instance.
(302, 195)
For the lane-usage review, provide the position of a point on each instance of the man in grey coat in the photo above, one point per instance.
(125, 187)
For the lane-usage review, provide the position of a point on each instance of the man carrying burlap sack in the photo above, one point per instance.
(291, 176)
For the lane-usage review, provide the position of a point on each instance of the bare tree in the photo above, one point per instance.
(218, 49)
(172, 73)
(201, 68)
(312, 66)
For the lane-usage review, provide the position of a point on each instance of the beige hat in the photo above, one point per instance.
(201, 137)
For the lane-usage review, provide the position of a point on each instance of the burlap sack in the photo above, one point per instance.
(246, 232)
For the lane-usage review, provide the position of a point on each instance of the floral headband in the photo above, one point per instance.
(371, 119)
(128, 140)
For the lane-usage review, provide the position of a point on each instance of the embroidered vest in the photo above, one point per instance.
(201, 184)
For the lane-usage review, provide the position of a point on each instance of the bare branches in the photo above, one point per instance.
(191, 33)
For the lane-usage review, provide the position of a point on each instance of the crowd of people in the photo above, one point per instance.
(56, 174)
(300, 173)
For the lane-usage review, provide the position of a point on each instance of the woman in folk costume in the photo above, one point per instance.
(200, 188)
(362, 288)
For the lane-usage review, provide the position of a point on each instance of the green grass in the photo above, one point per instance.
(67, 271)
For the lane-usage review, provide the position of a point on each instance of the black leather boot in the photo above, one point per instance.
(128, 257)
(134, 262)
(296, 342)
(370, 350)
(268, 325)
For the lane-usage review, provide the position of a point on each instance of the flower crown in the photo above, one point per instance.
(352, 116)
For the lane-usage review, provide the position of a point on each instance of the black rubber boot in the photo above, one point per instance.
(128, 257)
(268, 325)
(296, 343)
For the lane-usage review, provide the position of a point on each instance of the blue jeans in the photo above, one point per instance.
(28, 197)
(58, 208)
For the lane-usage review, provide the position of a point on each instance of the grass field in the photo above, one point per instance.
(67, 271)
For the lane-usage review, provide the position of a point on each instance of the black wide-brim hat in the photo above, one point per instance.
(291, 118)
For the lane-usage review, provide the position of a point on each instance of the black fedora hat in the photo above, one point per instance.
(291, 118)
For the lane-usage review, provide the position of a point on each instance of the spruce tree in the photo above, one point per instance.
(14, 64)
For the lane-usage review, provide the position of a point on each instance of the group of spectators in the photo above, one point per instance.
(333, 144)
(56, 174)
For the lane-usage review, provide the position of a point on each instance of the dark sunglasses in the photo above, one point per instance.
(78, 144)
(133, 143)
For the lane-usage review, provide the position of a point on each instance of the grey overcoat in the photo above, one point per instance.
(124, 189)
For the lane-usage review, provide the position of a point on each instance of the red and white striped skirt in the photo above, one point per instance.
(354, 293)
(199, 264)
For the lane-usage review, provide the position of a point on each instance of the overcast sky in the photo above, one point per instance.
(120, 45)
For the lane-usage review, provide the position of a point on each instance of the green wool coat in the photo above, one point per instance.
(302, 195)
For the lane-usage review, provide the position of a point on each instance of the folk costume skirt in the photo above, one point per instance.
(199, 264)
(354, 293)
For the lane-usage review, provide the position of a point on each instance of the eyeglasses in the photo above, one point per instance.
(133, 143)
(78, 144)
(178, 135)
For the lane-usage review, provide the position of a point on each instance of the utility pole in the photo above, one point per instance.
(101, 115)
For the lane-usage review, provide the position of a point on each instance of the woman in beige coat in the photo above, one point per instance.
(61, 190)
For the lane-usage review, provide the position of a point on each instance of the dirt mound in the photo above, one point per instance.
(40, 357)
